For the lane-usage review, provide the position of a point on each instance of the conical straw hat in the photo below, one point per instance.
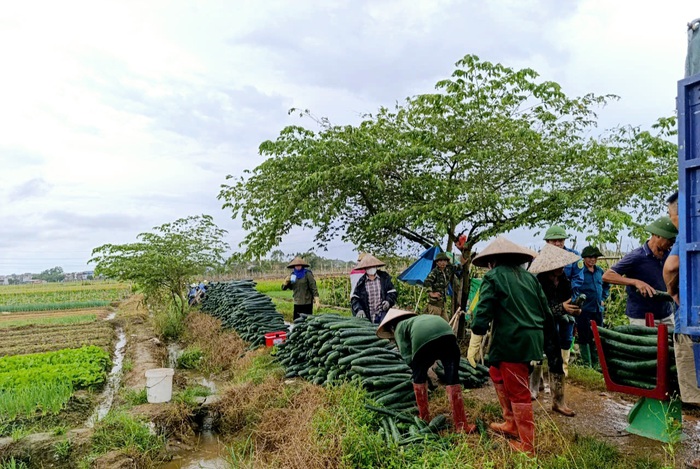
(390, 316)
(369, 261)
(552, 257)
(297, 261)
(503, 247)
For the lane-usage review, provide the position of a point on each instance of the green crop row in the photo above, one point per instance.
(60, 320)
(29, 307)
(44, 382)
(47, 397)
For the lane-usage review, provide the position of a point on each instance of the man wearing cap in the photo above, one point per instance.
(641, 271)
(437, 283)
(513, 306)
(303, 285)
(596, 292)
(422, 340)
(374, 293)
(556, 235)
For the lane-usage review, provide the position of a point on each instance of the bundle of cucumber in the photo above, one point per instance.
(403, 429)
(330, 348)
(631, 354)
(242, 308)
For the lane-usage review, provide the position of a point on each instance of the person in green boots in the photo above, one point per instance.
(422, 340)
(596, 292)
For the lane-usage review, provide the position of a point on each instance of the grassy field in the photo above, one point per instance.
(49, 296)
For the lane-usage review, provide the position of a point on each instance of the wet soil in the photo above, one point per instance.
(604, 416)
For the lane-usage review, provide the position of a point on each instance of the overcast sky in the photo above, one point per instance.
(116, 117)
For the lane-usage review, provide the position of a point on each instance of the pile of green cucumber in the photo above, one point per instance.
(631, 354)
(402, 429)
(242, 308)
(329, 348)
(469, 376)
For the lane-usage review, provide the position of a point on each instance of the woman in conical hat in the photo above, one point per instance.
(374, 293)
(303, 285)
(513, 306)
(549, 268)
(423, 339)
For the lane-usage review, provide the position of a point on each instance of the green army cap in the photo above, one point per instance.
(555, 232)
(442, 257)
(591, 251)
(662, 227)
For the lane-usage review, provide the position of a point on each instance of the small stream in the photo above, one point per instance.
(113, 381)
(208, 454)
(174, 351)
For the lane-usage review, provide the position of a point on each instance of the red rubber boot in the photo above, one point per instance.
(525, 421)
(508, 427)
(421, 392)
(454, 395)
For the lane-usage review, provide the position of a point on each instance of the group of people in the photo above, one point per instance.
(529, 303)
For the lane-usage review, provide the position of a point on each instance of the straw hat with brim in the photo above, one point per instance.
(369, 261)
(392, 316)
(501, 248)
(551, 258)
(663, 227)
(297, 261)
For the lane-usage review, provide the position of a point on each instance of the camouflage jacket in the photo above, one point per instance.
(438, 280)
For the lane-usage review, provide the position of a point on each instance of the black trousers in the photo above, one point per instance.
(443, 348)
(303, 309)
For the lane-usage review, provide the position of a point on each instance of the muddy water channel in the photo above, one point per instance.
(113, 381)
(209, 453)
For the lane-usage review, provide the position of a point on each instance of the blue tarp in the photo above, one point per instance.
(416, 273)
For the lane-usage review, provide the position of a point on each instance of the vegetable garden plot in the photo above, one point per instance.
(43, 382)
(45, 338)
(61, 296)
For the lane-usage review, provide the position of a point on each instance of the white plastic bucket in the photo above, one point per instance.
(159, 384)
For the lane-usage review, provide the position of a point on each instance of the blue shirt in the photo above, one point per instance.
(574, 272)
(641, 264)
(595, 289)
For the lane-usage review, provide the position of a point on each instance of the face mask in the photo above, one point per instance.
(372, 271)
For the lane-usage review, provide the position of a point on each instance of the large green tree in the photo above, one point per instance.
(493, 149)
(54, 274)
(164, 262)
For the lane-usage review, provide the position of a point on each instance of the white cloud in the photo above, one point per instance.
(120, 116)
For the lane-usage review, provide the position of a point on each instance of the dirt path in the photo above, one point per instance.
(604, 416)
(143, 350)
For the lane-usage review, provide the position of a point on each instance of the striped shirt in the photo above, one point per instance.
(374, 296)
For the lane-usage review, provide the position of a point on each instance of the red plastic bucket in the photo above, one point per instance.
(275, 338)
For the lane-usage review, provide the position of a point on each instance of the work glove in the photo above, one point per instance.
(317, 302)
(474, 349)
(385, 305)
